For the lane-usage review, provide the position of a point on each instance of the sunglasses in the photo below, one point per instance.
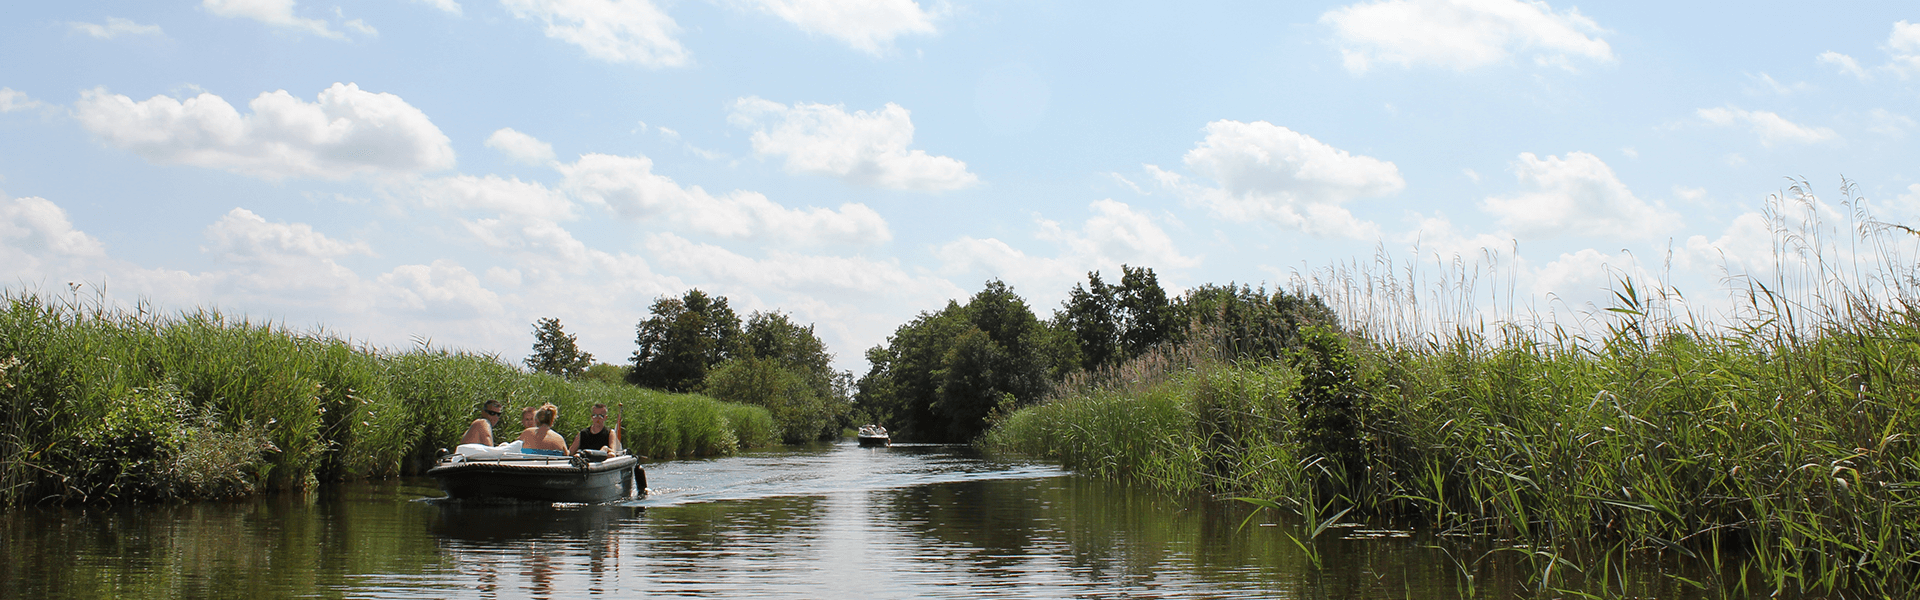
(492, 413)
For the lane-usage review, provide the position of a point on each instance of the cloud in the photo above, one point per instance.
(1462, 34)
(114, 28)
(1772, 128)
(444, 288)
(243, 236)
(1846, 64)
(1118, 234)
(11, 100)
(35, 226)
(629, 187)
(782, 270)
(1285, 177)
(1774, 86)
(1576, 195)
(866, 25)
(449, 6)
(616, 31)
(520, 147)
(1903, 55)
(863, 148)
(347, 131)
(1114, 235)
(491, 194)
(278, 13)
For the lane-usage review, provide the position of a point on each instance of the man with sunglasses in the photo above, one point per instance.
(597, 437)
(481, 431)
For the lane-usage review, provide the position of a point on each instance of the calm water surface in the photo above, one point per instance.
(833, 521)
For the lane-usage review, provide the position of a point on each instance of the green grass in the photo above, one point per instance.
(99, 404)
(1775, 444)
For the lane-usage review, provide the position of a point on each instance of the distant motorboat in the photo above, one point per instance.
(504, 472)
(872, 436)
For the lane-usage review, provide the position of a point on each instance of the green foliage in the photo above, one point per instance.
(1332, 401)
(785, 368)
(684, 338)
(1114, 323)
(605, 373)
(99, 405)
(941, 376)
(555, 352)
(1777, 446)
(1250, 322)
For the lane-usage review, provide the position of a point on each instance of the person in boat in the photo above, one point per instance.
(598, 436)
(542, 439)
(481, 431)
(527, 419)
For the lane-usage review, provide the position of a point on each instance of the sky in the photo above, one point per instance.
(451, 171)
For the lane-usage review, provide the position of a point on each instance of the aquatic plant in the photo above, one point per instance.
(104, 404)
(1777, 436)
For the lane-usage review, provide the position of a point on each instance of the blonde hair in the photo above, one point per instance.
(546, 415)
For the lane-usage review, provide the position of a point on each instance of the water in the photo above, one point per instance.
(824, 522)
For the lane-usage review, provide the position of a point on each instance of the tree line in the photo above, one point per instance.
(946, 374)
(696, 343)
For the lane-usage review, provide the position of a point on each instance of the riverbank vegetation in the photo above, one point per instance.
(1775, 444)
(101, 404)
(696, 343)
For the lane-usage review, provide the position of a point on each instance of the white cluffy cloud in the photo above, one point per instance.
(1903, 54)
(37, 227)
(1116, 234)
(521, 147)
(1269, 172)
(114, 28)
(629, 187)
(1462, 34)
(347, 131)
(11, 100)
(1577, 195)
(1772, 128)
(242, 236)
(616, 31)
(867, 148)
(278, 13)
(867, 25)
(492, 194)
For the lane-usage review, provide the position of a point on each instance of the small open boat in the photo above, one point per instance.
(873, 436)
(496, 473)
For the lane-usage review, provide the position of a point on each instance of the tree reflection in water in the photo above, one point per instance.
(938, 522)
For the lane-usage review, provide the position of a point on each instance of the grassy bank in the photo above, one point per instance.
(1781, 439)
(99, 404)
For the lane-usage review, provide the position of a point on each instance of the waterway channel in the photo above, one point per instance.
(829, 521)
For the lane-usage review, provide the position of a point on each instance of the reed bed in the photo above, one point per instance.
(1773, 443)
(99, 404)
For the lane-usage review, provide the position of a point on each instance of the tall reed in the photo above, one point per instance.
(1777, 432)
(105, 404)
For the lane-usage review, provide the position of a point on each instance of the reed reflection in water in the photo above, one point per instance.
(825, 522)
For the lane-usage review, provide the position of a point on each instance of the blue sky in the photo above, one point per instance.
(454, 170)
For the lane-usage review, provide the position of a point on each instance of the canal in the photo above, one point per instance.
(828, 521)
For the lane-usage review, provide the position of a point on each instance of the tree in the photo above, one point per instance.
(940, 377)
(1251, 322)
(1114, 323)
(684, 338)
(555, 352)
(785, 368)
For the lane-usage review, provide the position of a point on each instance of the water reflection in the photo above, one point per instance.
(824, 522)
